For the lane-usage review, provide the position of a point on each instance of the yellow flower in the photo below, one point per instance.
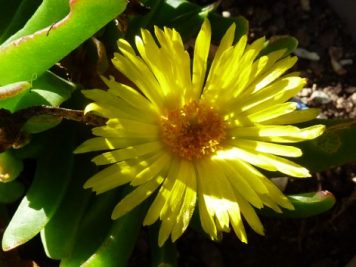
(192, 135)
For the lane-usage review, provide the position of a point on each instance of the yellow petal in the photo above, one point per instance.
(271, 95)
(286, 166)
(272, 112)
(249, 214)
(127, 153)
(277, 133)
(115, 175)
(201, 52)
(225, 43)
(246, 66)
(206, 219)
(237, 154)
(156, 60)
(171, 181)
(175, 61)
(276, 149)
(101, 143)
(265, 161)
(277, 70)
(217, 205)
(187, 209)
(267, 201)
(109, 178)
(222, 65)
(130, 95)
(277, 196)
(127, 128)
(156, 208)
(125, 45)
(157, 167)
(135, 197)
(165, 230)
(241, 184)
(138, 72)
(180, 185)
(106, 111)
(295, 117)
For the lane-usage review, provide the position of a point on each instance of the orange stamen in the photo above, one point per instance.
(194, 131)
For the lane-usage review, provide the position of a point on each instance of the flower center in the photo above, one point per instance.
(194, 131)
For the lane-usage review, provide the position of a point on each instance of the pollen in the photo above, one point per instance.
(194, 131)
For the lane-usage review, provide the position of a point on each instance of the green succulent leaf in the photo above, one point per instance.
(10, 167)
(10, 192)
(335, 147)
(49, 89)
(167, 13)
(53, 171)
(119, 242)
(182, 15)
(186, 18)
(32, 149)
(220, 25)
(15, 15)
(280, 42)
(59, 234)
(94, 227)
(11, 94)
(26, 58)
(306, 205)
(167, 255)
(44, 14)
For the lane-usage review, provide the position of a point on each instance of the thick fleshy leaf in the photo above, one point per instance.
(166, 255)
(186, 18)
(15, 15)
(53, 171)
(220, 25)
(119, 242)
(33, 149)
(306, 205)
(284, 42)
(10, 167)
(10, 192)
(12, 93)
(182, 15)
(335, 147)
(40, 18)
(94, 227)
(49, 89)
(59, 234)
(13, 89)
(26, 58)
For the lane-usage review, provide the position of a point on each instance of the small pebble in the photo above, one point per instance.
(303, 53)
(320, 97)
(351, 90)
(305, 92)
(346, 62)
(280, 182)
(226, 14)
(353, 98)
(340, 103)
